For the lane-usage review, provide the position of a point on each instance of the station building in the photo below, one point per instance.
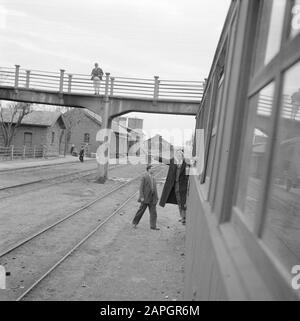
(40, 132)
(83, 126)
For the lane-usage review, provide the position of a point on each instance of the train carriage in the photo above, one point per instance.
(243, 238)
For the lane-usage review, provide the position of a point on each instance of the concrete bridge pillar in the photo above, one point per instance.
(103, 151)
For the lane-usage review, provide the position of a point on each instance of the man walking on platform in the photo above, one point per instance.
(148, 198)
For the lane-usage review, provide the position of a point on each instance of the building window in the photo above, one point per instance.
(52, 138)
(281, 230)
(86, 138)
(28, 139)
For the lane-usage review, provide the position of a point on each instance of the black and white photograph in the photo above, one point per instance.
(149, 153)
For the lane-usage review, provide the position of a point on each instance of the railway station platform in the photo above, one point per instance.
(28, 163)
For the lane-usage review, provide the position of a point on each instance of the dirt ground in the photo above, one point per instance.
(117, 263)
(120, 263)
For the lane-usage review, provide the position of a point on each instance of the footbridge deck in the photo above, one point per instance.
(125, 94)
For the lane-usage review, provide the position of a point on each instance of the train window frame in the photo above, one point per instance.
(202, 120)
(288, 55)
(250, 114)
(217, 78)
(273, 71)
(215, 133)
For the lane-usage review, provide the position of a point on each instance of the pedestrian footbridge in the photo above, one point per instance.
(118, 95)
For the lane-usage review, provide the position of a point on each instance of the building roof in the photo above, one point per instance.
(93, 116)
(34, 118)
(157, 138)
(115, 126)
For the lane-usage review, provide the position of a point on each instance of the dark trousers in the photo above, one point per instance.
(141, 211)
(181, 206)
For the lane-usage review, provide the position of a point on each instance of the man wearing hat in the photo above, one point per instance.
(148, 198)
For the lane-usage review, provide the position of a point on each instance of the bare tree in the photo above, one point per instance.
(11, 117)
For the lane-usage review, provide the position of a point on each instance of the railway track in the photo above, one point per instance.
(32, 245)
(14, 190)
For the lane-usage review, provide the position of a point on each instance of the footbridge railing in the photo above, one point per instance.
(62, 82)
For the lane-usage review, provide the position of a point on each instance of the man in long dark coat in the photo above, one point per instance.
(176, 185)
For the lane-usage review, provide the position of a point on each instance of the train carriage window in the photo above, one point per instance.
(213, 137)
(212, 120)
(254, 153)
(202, 125)
(270, 31)
(295, 18)
(281, 229)
(205, 112)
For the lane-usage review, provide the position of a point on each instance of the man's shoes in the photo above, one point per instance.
(183, 222)
(155, 228)
(133, 225)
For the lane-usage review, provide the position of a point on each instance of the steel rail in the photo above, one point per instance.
(83, 240)
(43, 180)
(68, 177)
(29, 238)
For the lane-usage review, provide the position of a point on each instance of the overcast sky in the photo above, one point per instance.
(173, 39)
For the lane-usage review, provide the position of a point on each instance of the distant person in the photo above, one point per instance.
(72, 149)
(148, 198)
(97, 74)
(176, 185)
(81, 154)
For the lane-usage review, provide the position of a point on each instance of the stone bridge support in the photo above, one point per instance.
(103, 151)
